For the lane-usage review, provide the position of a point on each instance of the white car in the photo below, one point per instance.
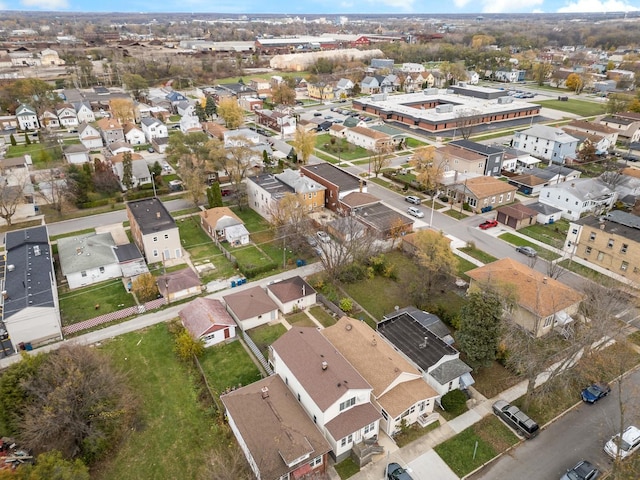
(416, 212)
(629, 443)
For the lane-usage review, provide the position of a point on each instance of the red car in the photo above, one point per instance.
(488, 224)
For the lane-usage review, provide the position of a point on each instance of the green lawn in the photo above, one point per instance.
(175, 434)
(464, 266)
(300, 319)
(186, 211)
(228, 365)
(491, 437)
(455, 214)
(346, 468)
(484, 257)
(252, 219)
(322, 316)
(265, 335)
(78, 305)
(577, 107)
(203, 250)
(553, 234)
(521, 242)
(413, 143)
(340, 147)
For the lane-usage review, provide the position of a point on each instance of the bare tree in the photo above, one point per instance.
(14, 189)
(466, 121)
(291, 220)
(380, 158)
(55, 190)
(237, 164)
(427, 168)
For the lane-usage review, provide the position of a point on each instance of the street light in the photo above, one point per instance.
(433, 206)
(153, 182)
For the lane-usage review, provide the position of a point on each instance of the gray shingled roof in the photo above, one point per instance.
(84, 252)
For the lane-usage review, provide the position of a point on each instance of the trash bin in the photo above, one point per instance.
(233, 283)
(28, 347)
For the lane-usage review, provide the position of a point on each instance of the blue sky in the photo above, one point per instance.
(328, 7)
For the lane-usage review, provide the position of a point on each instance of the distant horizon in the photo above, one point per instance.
(396, 8)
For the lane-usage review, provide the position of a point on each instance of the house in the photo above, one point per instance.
(328, 388)
(186, 108)
(344, 88)
(207, 320)
(267, 409)
(18, 191)
(130, 260)
(609, 134)
(369, 85)
(67, 116)
(27, 118)
(88, 259)
(438, 361)
(241, 137)
(320, 91)
(579, 196)
(133, 134)
(30, 310)
(292, 294)
(555, 174)
(179, 284)
(251, 308)
(528, 184)
(119, 148)
(381, 222)
(549, 143)
(89, 136)
(510, 76)
(154, 230)
(175, 98)
(516, 160)
(160, 144)
(368, 138)
(627, 124)
(140, 174)
(600, 143)
(516, 216)
(611, 242)
(400, 392)
(49, 119)
(110, 130)
(546, 213)
(189, 123)
(337, 182)
(280, 121)
(540, 303)
(221, 224)
(153, 128)
(482, 194)
(452, 158)
(84, 112)
(76, 154)
(493, 156)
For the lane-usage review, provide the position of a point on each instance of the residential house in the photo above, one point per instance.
(517, 161)
(516, 216)
(579, 196)
(482, 194)
(549, 143)
(130, 260)
(611, 242)
(608, 134)
(338, 182)
(510, 76)
(381, 221)
(179, 285)
(84, 113)
(414, 82)
(280, 121)
(600, 143)
(133, 134)
(27, 118)
(266, 409)
(344, 88)
(154, 230)
(452, 158)
(140, 174)
(627, 124)
(540, 303)
(111, 130)
(221, 224)
(251, 308)
(250, 103)
(207, 320)
(175, 98)
(400, 392)
(76, 154)
(67, 116)
(292, 294)
(265, 191)
(321, 91)
(436, 359)
(412, 68)
(153, 128)
(49, 119)
(189, 124)
(89, 136)
(241, 137)
(473, 78)
(546, 213)
(328, 388)
(493, 156)
(555, 174)
(262, 86)
(88, 259)
(186, 108)
(370, 85)
(528, 184)
(119, 148)
(30, 313)
(369, 139)
(17, 188)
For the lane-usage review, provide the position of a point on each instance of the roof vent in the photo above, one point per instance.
(265, 392)
(11, 267)
(325, 365)
(424, 344)
(157, 214)
(374, 342)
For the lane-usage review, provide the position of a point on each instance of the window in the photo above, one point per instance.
(624, 266)
(610, 243)
(501, 198)
(155, 239)
(592, 237)
(624, 248)
(574, 231)
(508, 196)
(493, 199)
(370, 428)
(315, 462)
(166, 236)
(600, 256)
(548, 321)
(587, 251)
(155, 253)
(421, 406)
(101, 269)
(83, 274)
(348, 403)
(343, 442)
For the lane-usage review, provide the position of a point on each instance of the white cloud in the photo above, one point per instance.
(402, 5)
(46, 4)
(507, 6)
(461, 3)
(582, 6)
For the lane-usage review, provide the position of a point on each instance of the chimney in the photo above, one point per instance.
(325, 365)
(5, 295)
(265, 392)
(158, 215)
(544, 280)
(304, 291)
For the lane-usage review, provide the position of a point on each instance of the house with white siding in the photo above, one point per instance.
(88, 259)
(292, 294)
(89, 136)
(545, 142)
(579, 196)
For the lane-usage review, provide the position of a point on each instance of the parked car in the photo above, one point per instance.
(323, 236)
(311, 240)
(582, 471)
(488, 224)
(396, 472)
(150, 150)
(416, 212)
(595, 392)
(413, 199)
(528, 251)
(629, 443)
(516, 419)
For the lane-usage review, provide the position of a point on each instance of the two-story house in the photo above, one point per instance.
(153, 128)
(49, 119)
(320, 91)
(67, 116)
(84, 112)
(89, 136)
(611, 241)
(133, 134)
(27, 118)
(332, 392)
(579, 196)
(110, 130)
(493, 155)
(154, 230)
(549, 143)
(453, 158)
(337, 182)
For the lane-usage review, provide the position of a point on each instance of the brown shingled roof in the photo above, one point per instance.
(483, 187)
(459, 152)
(250, 303)
(291, 289)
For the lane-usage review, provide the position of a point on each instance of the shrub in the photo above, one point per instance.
(466, 207)
(346, 305)
(454, 402)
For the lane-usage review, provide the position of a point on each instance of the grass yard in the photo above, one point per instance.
(228, 365)
(455, 214)
(490, 381)
(577, 107)
(265, 335)
(464, 266)
(203, 250)
(346, 468)
(252, 219)
(325, 157)
(414, 432)
(250, 255)
(340, 148)
(79, 305)
(478, 254)
(553, 234)
(492, 437)
(186, 211)
(322, 316)
(413, 143)
(72, 234)
(174, 434)
(521, 242)
(300, 319)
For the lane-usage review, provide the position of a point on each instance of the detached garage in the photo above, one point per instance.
(516, 216)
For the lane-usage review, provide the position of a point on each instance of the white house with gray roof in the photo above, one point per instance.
(549, 143)
(88, 259)
(89, 136)
(579, 196)
(153, 128)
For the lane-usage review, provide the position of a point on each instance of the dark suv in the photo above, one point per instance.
(516, 419)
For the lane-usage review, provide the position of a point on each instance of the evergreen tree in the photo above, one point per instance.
(479, 333)
(210, 107)
(27, 141)
(12, 139)
(200, 112)
(127, 171)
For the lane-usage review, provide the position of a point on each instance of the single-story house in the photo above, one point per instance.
(76, 154)
(206, 319)
(546, 213)
(222, 224)
(88, 259)
(292, 294)
(251, 307)
(180, 284)
(483, 194)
